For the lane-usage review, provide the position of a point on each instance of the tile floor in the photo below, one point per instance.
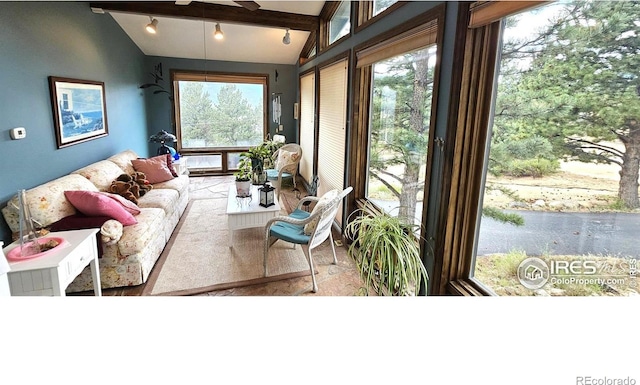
(333, 280)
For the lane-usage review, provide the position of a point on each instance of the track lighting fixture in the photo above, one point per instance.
(287, 38)
(151, 27)
(218, 33)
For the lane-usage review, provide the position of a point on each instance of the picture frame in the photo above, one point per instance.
(79, 110)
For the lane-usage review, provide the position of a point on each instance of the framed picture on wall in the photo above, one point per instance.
(79, 110)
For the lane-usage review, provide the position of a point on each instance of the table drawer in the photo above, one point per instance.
(78, 260)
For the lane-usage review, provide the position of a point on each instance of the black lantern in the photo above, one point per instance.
(266, 195)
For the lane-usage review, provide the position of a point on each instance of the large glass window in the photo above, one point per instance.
(402, 89)
(219, 115)
(340, 23)
(381, 5)
(307, 125)
(559, 208)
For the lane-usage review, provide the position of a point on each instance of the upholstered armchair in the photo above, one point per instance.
(304, 228)
(285, 160)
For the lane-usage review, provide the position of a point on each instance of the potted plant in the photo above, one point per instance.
(243, 178)
(387, 253)
(260, 156)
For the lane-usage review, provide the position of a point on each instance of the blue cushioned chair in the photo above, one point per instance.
(284, 170)
(291, 228)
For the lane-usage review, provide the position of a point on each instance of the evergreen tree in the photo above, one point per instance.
(196, 115)
(576, 85)
(400, 126)
(237, 122)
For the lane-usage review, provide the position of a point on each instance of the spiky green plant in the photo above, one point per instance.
(387, 253)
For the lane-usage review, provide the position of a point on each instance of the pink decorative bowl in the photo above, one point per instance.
(14, 254)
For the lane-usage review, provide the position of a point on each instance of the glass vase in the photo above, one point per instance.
(28, 234)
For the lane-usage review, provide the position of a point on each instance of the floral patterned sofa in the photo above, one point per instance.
(128, 261)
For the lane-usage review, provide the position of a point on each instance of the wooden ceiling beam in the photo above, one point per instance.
(214, 12)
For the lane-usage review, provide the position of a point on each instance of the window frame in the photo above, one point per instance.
(344, 56)
(364, 13)
(328, 12)
(224, 77)
(362, 80)
(477, 41)
(314, 157)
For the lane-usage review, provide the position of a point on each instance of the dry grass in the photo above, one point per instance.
(499, 272)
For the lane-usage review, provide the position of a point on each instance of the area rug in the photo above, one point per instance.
(198, 258)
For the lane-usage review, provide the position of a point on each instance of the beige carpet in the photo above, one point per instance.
(198, 259)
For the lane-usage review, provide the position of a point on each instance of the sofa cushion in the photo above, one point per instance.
(156, 168)
(136, 238)
(123, 160)
(47, 202)
(165, 199)
(97, 204)
(101, 173)
(180, 184)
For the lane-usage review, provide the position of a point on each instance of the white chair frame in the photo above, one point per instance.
(321, 233)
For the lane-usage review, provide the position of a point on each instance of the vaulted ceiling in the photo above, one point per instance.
(185, 28)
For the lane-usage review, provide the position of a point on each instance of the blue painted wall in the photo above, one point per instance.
(159, 108)
(66, 39)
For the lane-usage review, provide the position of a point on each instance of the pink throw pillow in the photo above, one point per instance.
(155, 168)
(95, 204)
(131, 207)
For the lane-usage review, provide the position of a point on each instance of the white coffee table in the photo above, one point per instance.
(244, 213)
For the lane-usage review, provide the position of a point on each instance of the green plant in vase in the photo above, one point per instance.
(244, 170)
(243, 178)
(387, 253)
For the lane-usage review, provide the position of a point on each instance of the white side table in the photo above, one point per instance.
(4, 278)
(181, 166)
(50, 274)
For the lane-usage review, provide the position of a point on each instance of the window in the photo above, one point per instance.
(369, 12)
(538, 105)
(332, 128)
(559, 178)
(218, 116)
(307, 125)
(402, 89)
(340, 22)
(380, 5)
(400, 73)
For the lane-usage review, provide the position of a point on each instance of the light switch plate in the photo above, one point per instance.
(18, 133)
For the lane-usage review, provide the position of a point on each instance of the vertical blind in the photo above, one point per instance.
(307, 132)
(332, 133)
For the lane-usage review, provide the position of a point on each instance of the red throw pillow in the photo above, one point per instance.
(156, 168)
(170, 165)
(95, 204)
(78, 222)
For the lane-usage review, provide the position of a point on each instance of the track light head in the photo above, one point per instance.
(287, 38)
(218, 34)
(152, 26)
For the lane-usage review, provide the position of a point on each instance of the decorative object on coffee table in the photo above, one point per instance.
(79, 110)
(243, 178)
(266, 195)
